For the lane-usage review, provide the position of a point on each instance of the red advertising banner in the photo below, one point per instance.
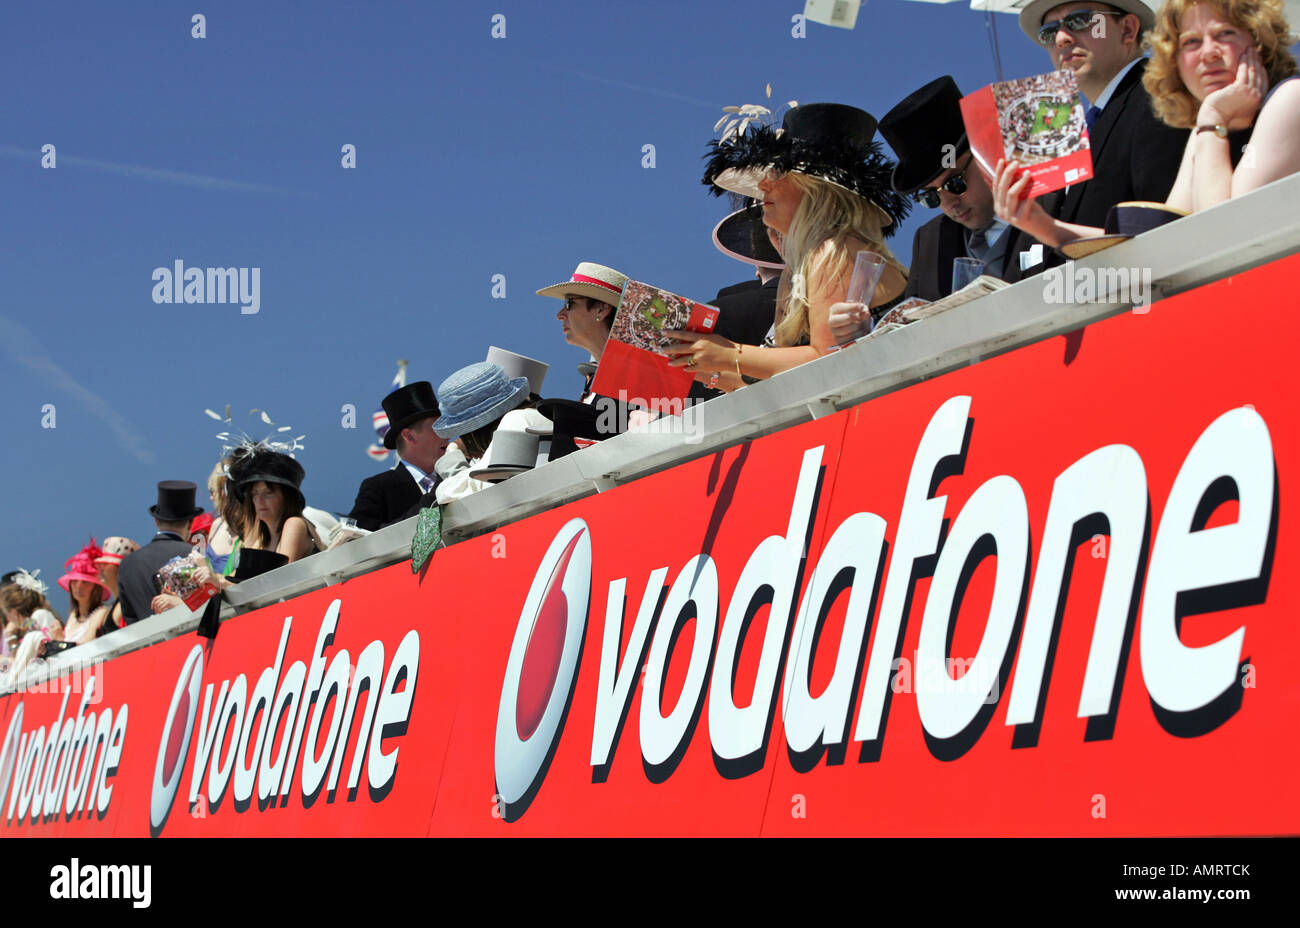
(1034, 596)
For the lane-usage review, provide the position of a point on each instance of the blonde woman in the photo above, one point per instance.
(826, 195)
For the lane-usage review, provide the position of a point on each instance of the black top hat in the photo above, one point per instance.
(408, 404)
(1123, 221)
(579, 420)
(743, 236)
(830, 141)
(175, 501)
(253, 562)
(263, 464)
(924, 129)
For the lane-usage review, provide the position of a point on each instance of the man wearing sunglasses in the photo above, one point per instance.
(1135, 156)
(936, 168)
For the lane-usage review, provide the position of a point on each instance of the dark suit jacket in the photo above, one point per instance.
(747, 310)
(136, 584)
(941, 241)
(1135, 156)
(385, 498)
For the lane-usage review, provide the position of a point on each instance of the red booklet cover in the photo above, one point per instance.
(633, 367)
(1037, 121)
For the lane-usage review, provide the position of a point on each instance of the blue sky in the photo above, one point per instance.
(475, 156)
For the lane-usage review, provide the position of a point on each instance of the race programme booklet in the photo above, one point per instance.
(633, 367)
(1038, 121)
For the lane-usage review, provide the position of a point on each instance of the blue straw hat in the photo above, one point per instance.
(474, 396)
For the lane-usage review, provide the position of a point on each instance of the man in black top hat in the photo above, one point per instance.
(393, 495)
(172, 514)
(936, 167)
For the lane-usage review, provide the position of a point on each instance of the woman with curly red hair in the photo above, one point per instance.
(1220, 67)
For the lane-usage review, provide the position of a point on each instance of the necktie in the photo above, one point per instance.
(426, 483)
(1091, 115)
(978, 245)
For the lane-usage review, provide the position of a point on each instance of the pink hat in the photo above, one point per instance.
(81, 566)
(116, 548)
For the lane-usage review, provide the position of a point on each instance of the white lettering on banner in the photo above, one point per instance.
(1192, 569)
(737, 733)
(855, 550)
(1188, 558)
(662, 735)
(247, 723)
(997, 510)
(1112, 482)
(68, 768)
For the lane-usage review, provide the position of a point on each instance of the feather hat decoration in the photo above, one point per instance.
(830, 141)
(27, 580)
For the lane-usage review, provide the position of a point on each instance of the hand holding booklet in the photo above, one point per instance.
(1037, 121)
(633, 367)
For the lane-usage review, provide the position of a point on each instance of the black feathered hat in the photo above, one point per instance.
(263, 464)
(830, 141)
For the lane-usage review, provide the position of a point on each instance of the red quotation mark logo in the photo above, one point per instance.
(174, 745)
(542, 668)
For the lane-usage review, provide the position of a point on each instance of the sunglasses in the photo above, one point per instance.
(1077, 21)
(572, 302)
(956, 185)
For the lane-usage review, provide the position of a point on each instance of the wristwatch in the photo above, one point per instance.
(1220, 131)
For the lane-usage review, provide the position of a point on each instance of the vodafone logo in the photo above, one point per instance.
(9, 751)
(542, 668)
(174, 744)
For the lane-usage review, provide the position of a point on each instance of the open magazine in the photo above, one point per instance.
(633, 367)
(919, 309)
(1037, 121)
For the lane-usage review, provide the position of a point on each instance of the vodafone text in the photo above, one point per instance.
(280, 704)
(87, 881)
(1235, 449)
(67, 770)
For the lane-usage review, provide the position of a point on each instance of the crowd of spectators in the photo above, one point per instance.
(812, 194)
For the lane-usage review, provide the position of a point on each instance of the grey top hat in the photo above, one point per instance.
(518, 365)
(476, 395)
(515, 446)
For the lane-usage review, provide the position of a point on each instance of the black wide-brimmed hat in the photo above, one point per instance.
(266, 466)
(175, 501)
(1123, 221)
(925, 131)
(831, 141)
(743, 236)
(408, 404)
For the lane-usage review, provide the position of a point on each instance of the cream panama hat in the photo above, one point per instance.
(1031, 17)
(593, 281)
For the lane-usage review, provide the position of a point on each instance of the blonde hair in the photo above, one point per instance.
(1263, 19)
(826, 213)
